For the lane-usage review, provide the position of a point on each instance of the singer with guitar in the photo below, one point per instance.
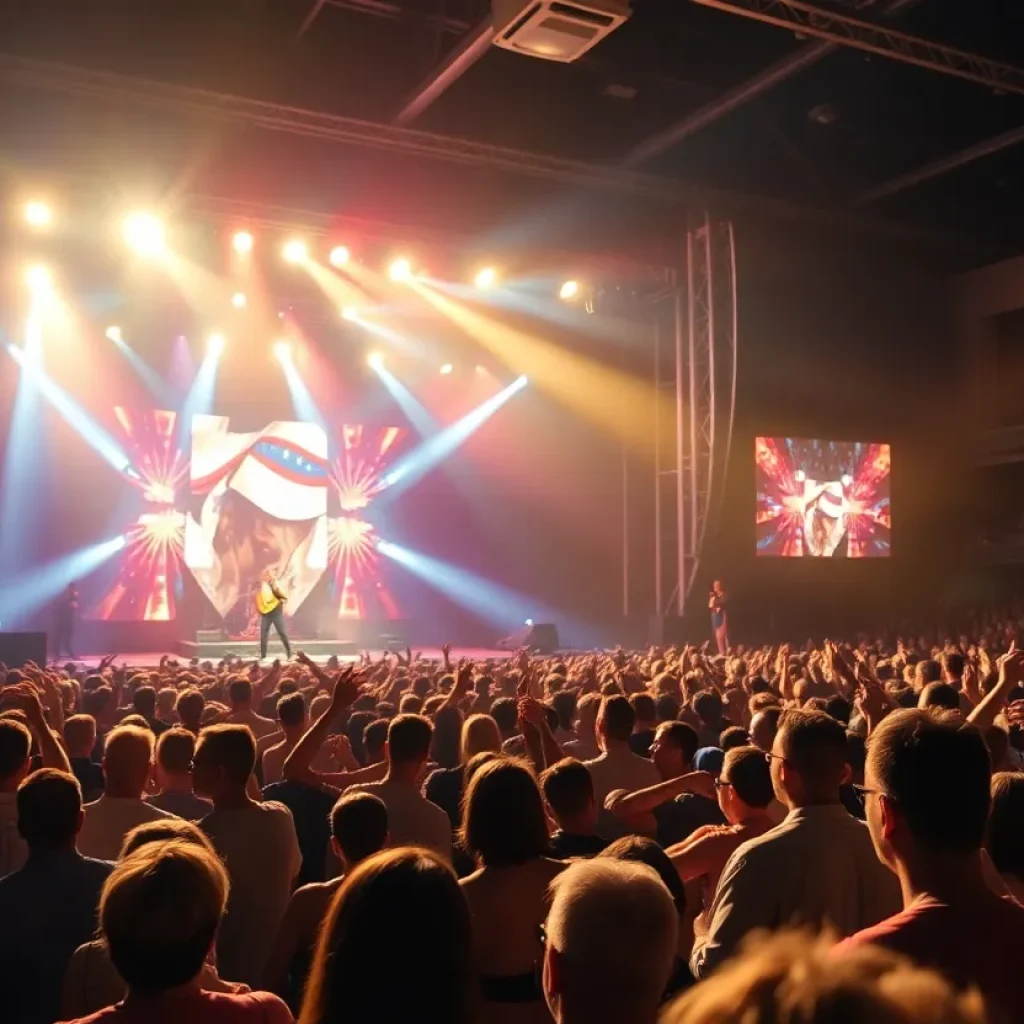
(270, 604)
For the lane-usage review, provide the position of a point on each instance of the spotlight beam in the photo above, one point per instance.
(303, 403)
(200, 396)
(418, 416)
(157, 387)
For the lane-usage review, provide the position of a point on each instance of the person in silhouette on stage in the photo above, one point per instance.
(719, 619)
(270, 605)
(65, 613)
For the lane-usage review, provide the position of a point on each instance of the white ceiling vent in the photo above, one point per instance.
(555, 29)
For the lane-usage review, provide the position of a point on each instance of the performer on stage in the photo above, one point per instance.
(270, 604)
(65, 613)
(719, 620)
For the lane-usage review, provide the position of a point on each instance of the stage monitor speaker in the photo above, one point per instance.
(543, 638)
(17, 648)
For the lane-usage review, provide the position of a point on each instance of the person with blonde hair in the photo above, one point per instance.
(445, 785)
(127, 763)
(173, 770)
(790, 976)
(610, 943)
(159, 915)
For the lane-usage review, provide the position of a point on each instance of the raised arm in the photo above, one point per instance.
(1011, 674)
(297, 764)
(643, 801)
(26, 697)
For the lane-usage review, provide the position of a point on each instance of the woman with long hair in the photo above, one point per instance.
(505, 830)
(395, 946)
(445, 785)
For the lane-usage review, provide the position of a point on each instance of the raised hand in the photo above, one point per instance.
(531, 711)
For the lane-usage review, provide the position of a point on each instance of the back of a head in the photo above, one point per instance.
(681, 736)
(794, 978)
(239, 691)
(80, 735)
(446, 744)
(174, 750)
(939, 695)
(667, 708)
(564, 703)
(127, 756)
(229, 748)
(15, 747)
(359, 824)
(936, 771)
(479, 733)
(375, 736)
(190, 706)
(164, 830)
(734, 736)
(955, 664)
(409, 739)
(159, 913)
(749, 775)
(614, 928)
(1005, 841)
(568, 788)
(505, 712)
(144, 701)
(643, 707)
(708, 705)
(97, 702)
(357, 722)
(49, 810)
(503, 821)
(617, 718)
(814, 744)
(291, 711)
(378, 916)
(645, 850)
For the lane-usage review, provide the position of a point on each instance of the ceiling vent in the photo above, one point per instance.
(555, 29)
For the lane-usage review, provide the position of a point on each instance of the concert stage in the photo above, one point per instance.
(215, 650)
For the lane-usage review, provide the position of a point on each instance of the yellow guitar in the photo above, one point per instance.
(269, 596)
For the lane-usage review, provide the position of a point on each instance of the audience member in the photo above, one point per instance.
(763, 727)
(816, 868)
(159, 915)
(363, 934)
(240, 696)
(257, 844)
(584, 746)
(646, 720)
(1005, 840)
(47, 906)
(144, 704)
(375, 739)
(127, 762)
(189, 708)
(444, 786)
(610, 943)
(173, 770)
(505, 830)
(15, 762)
(927, 795)
(293, 721)
(569, 792)
(80, 741)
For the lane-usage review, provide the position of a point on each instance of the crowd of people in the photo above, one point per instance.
(829, 833)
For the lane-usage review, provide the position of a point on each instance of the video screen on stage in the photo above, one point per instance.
(822, 499)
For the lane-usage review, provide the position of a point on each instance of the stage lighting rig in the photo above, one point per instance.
(38, 214)
(486, 277)
(339, 256)
(144, 233)
(242, 242)
(295, 251)
(569, 290)
(400, 270)
(238, 300)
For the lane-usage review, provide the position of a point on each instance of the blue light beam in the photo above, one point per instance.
(157, 387)
(199, 399)
(436, 449)
(303, 404)
(422, 421)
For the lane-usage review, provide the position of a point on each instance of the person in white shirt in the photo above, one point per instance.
(258, 845)
(240, 696)
(618, 767)
(412, 820)
(127, 762)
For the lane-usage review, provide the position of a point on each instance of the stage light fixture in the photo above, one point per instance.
(349, 313)
(446, 368)
(400, 270)
(339, 256)
(38, 214)
(215, 344)
(144, 233)
(487, 277)
(569, 290)
(242, 242)
(295, 251)
(38, 278)
(282, 351)
(375, 360)
(113, 333)
(238, 300)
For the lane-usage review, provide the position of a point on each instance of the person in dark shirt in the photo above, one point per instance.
(79, 740)
(311, 811)
(646, 721)
(569, 792)
(49, 906)
(144, 703)
(927, 798)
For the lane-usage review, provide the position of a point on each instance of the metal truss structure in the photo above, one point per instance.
(811, 20)
(695, 368)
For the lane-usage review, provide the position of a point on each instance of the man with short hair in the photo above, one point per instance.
(610, 943)
(646, 721)
(359, 829)
(48, 907)
(617, 767)
(144, 703)
(763, 726)
(240, 697)
(569, 792)
(173, 770)
(585, 746)
(79, 741)
(816, 869)
(127, 762)
(292, 719)
(257, 843)
(926, 790)
(189, 708)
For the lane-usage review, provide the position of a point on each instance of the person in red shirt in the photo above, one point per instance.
(926, 792)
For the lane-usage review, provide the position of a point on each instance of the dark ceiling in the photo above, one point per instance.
(824, 137)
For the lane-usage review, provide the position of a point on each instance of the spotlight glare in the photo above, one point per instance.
(144, 233)
(215, 344)
(447, 368)
(339, 256)
(242, 242)
(400, 270)
(569, 290)
(282, 351)
(375, 360)
(38, 214)
(113, 333)
(295, 251)
(238, 300)
(38, 278)
(486, 278)
(349, 313)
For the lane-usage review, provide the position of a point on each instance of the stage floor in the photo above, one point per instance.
(152, 659)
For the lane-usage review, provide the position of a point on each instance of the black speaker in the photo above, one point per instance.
(17, 648)
(543, 638)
